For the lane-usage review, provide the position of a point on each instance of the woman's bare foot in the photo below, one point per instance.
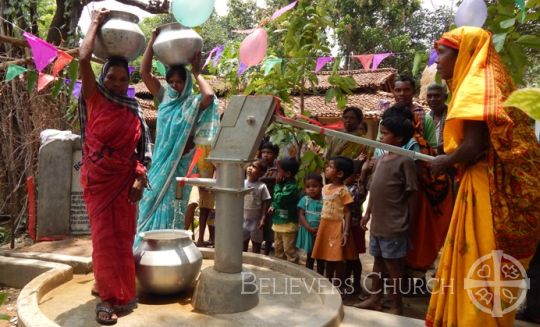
(372, 303)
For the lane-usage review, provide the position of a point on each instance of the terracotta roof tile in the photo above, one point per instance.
(370, 103)
(373, 79)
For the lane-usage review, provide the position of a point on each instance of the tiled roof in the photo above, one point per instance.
(368, 102)
(372, 79)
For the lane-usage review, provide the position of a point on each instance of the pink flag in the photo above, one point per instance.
(378, 58)
(43, 53)
(44, 80)
(283, 10)
(321, 61)
(63, 59)
(365, 60)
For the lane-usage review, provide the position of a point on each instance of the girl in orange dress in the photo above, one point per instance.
(332, 243)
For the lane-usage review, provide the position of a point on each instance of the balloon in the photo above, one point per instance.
(471, 13)
(253, 48)
(192, 13)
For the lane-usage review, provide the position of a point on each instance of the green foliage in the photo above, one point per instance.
(515, 37)
(528, 100)
(4, 238)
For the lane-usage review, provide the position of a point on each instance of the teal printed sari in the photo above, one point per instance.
(179, 117)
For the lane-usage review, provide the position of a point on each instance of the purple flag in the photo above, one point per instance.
(242, 68)
(378, 58)
(321, 61)
(218, 54)
(76, 89)
(209, 56)
(432, 57)
(131, 92)
(283, 10)
(43, 53)
(131, 69)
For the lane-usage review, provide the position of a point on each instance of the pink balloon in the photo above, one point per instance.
(253, 48)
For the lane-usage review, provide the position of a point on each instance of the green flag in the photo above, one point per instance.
(521, 5)
(32, 79)
(14, 71)
(416, 63)
(160, 67)
(269, 64)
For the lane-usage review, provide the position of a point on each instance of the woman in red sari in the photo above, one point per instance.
(113, 174)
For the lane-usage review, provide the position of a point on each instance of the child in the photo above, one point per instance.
(256, 205)
(332, 243)
(309, 216)
(269, 152)
(283, 210)
(391, 202)
(358, 189)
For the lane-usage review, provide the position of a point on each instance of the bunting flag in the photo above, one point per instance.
(378, 58)
(61, 61)
(218, 54)
(14, 71)
(432, 57)
(131, 92)
(242, 68)
(269, 64)
(160, 68)
(210, 54)
(365, 60)
(131, 69)
(321, 61)
(77, 89)
(521, 5)
(43, 53)
(283, 10)
(416, 63)
(43, 80)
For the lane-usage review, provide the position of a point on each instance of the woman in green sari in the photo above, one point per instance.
(184, 120)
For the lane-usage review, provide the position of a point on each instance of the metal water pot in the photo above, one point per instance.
(176, 44)
(167, 261)
(119, 36)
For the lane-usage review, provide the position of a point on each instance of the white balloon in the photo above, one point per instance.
(471, 13)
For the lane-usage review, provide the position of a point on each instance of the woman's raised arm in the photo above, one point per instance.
(85, 54)
(151, 82)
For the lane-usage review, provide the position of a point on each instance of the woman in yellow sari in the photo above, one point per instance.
(498, 202)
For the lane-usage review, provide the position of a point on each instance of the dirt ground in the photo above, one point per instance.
(8, 309)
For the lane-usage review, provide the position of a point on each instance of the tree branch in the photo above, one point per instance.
(153, 6)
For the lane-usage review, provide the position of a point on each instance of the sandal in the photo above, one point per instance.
(104, 308)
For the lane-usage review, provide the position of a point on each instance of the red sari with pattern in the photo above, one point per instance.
(108, 172)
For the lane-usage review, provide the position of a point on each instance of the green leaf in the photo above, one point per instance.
(528, 100)
(531, 41)
(330, 95)
(73, 69)
(4, 317)
(507, 23)
(32, 79)
(57, 87)
(498, 41)
(3, 297)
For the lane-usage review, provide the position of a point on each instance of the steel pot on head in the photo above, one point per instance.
(167, 261)
(119, 36)
(176, 44)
